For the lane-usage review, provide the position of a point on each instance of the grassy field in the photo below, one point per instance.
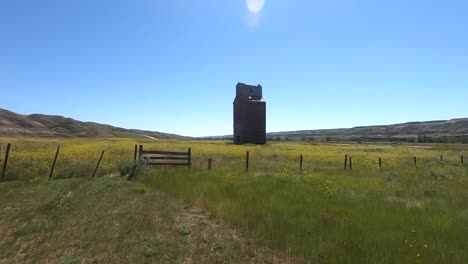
(111, 220)
(397, 214)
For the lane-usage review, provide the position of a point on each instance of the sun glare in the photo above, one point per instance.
(255, 6)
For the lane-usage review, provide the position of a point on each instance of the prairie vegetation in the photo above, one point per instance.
(111, 220)
(322, 214)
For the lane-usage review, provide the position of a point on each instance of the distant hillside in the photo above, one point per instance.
(36, 125)
(442, 131)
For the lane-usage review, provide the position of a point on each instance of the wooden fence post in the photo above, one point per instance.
(350, 163)
(380, 163)
(5, 162)
(345, 161)
(189, 158)
(441, 158)
(140, 153)
(135, 153)
(415, 162)
(247, 162)
(97, 166)
(132, 174)
(55, 162)
(300, 162)
(209, 164)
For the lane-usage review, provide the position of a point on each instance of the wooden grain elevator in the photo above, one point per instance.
(249, 115)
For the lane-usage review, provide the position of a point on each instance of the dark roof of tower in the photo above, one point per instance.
(245, 92)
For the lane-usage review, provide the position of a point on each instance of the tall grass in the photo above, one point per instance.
(400, 214)
(32, 158)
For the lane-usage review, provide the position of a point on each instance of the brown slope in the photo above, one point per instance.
(38, 125)
(454, 128)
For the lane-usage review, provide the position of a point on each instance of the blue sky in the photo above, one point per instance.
(172, 66)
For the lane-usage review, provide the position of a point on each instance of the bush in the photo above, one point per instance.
(132, 168)
(125, 167)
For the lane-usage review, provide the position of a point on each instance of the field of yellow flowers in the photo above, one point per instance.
(31, 159)
(400, 213)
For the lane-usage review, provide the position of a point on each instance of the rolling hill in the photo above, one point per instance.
(37, 125)
(442, 131)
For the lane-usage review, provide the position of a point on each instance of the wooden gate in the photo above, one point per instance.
(161, 158)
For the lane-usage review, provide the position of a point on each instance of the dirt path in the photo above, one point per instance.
(111, 220)
(205, 233)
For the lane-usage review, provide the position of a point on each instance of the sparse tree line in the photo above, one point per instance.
(330, 139)
(442, 139)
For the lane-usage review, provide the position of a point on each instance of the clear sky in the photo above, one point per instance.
(172, 65)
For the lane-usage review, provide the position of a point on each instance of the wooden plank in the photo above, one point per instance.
(345, 161)
(131, 175)
(97, 166)
(189, 158)
(55, 162)
(135, 153)
(158, 152)
(300, 163)
(165, 158)
(5, 163)
(164, 164)
(247, 161)
(209, 163)
(159, 155)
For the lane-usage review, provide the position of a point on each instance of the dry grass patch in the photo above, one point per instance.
(111, 220)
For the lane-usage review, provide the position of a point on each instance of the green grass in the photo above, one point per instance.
(337, 218)
(111, 220)
(400, 214)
